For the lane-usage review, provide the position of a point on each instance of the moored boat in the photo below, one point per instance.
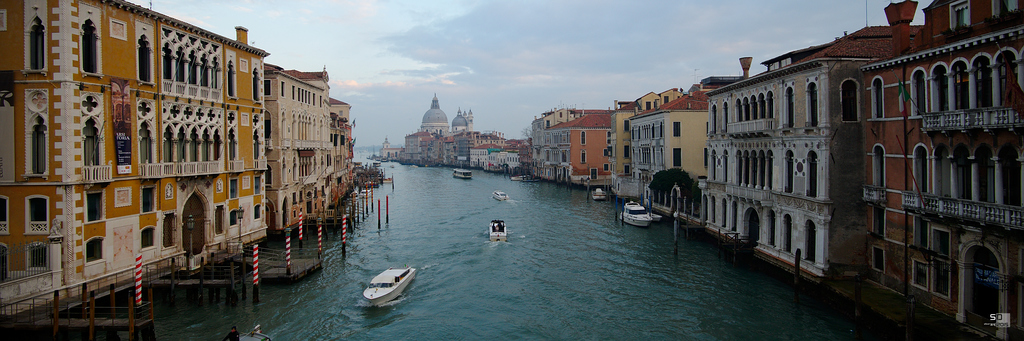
(462, 173)
(387, 180)
(499, 195)
(388, 285)
(256, 334)
(598, 195)
(497, 231)
(517, 178)
(636, 215)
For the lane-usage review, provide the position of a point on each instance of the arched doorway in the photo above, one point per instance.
(193, 240)
(753, 225)
(985, 281)
(271, 216)
(285, 209)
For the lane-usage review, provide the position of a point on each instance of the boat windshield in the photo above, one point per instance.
(381, 285)
(635, 211)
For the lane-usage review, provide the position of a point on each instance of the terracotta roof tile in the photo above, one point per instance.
(336, 102)
(696, 100)
(598, 119)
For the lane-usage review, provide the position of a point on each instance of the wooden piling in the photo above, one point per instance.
(202, 266)
(152, 316)
(85, 298)
(856, 306)
(911, 303)
(56, 313)
(131, 317)
(378, 214)
(92, 316)
(796, 277)
(174, 271)
(387, 209)
(113, 300)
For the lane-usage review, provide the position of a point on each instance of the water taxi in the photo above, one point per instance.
(499, 195)
(388, 285)
(598, 195)
(497, 231)
(636, 215)
(462, 173)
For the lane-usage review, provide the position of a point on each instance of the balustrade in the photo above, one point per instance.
(100, 173)
(875, 194)
(976, 211)
(980, 118)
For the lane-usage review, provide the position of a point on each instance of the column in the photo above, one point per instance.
(972, 87)
(999, 181)
(954, 190)
(975, 186)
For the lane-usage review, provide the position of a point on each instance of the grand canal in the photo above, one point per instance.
(569, 271)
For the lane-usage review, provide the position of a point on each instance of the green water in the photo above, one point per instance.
(568, 271)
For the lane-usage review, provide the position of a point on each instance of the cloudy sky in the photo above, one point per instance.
(510, 61)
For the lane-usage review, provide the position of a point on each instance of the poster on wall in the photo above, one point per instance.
(7, 125)
(121, 110)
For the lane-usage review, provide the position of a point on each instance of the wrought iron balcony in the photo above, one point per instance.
(981, 118)
(969, 210)
(874, 194)
(100, 173)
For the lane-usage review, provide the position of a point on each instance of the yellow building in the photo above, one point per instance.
(125, 132)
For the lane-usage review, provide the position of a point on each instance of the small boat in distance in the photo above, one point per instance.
(388, 285)
(499, 195)
(462, 173)
(388, 180)
(636, 215)
(598, 195)
(529, 178)
(516, 178)
(497, 231)
(256, 334)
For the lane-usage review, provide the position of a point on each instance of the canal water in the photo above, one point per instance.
(568, 271)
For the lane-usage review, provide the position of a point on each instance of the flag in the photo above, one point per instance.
(1013, 96)
(904, 98)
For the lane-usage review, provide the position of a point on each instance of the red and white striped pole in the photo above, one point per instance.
(288, 251)
(138, 279)
(255, 273)
(319, 236)
(344, 233)
(300, 226)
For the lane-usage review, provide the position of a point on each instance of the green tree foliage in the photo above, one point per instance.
(666, 179)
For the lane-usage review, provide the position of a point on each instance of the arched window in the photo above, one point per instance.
(256, 146)
(790, 108)
(878, 166)
(37, 45)
(144, 59)
(940, 89)
(583, 156)
(583, 137)
(94, 249)
(942, 171)
(92, 144)
(983, 82)
(180, 142)
(147, 237)
(1007, 64)
(961, 86)
(771, 227)
(848, 96)
(735, 208)
(214, 72)
(232, 144)
(179, 65)
(725, 117)
(231, 79)
(787, 233)
(216, 145)
(920, 101)
(761, 106)
(39, 147)
(714, 164)
(739, 110)
(725, 166)
(770, 181)
(89, 51)
(812, 174)
(714, 118)
(205, 148)
(168, 62)
(962, 160)
(746, 109)
(812, 104)
(921, 168)
(770, 105)
(145, 144)
(168, 145)
(204, 71)
(255, 85)
(193, 68)
(986, 174)
(810, 242)
(1012, 175)
(789, 171)
(193, 146)
(876, 98)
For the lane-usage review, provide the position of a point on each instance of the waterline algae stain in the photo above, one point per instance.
(568, 271)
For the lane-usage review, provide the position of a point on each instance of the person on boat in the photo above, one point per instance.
(233, 335)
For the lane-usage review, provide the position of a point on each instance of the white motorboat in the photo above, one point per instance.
(655, 217)
(598, 195)
(636, 215)
(497, 231)
(388, 285)
(499, 195)
(517, 178)
(387, 180)
(462, 173)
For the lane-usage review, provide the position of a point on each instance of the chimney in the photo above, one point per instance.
(242, 35)
(900, 15)
(745, 64)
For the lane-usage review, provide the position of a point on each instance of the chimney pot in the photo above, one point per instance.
(900, 15)
(745, 64)
(242, 35)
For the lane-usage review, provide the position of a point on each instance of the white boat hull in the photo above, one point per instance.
(379, 296)
(636, 220)
(499, 237)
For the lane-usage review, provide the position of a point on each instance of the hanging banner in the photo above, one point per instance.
(7, 125)
(121, 110)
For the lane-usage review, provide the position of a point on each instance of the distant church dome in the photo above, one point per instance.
(460, 121)
(435, 115)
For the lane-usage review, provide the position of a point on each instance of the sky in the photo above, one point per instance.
(510, 61)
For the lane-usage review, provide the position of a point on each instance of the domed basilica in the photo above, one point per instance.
(436, 122)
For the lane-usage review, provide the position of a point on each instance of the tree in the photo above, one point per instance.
(666, 179)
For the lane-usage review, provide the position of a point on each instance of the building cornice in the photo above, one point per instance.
(1004, 35)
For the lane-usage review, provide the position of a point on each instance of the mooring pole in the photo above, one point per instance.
(378, 214)
(56, 313)
(92, 315)
(256, 273)
(910, 317)
(856, 306)
(387, 209)
(796, 277)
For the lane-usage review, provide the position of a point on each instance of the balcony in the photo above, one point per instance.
(1010, 217)
(261, 164)
(236, 165)
(874, 195)
(981, 118)
(751, 128)
(156, 170)
(184, 89)
(97, 173)
(198, 168)
(748, 192)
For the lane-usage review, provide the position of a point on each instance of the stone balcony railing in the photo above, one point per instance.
(976, 211)
(236, 165)
(874, 194)
(748, 192)
(195, 91)
(261, 164)
(101, 173)
(981, 118)
(751, 127)
(198, 168)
